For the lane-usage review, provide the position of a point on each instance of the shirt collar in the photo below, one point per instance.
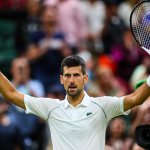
(85, 102)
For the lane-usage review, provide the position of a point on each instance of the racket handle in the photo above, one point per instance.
(148, 81)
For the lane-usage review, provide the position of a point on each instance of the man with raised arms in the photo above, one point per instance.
(79, 121)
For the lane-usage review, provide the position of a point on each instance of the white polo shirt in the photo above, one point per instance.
(76, 128)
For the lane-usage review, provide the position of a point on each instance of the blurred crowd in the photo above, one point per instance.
(35, 35)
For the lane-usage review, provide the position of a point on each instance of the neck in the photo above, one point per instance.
(75, 100)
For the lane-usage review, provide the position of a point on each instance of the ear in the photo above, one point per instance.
(86, 78)
(61, 79)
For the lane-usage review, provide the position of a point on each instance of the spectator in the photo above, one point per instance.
(10, 137)
(47, 48)
(117, 136)
(124, 11)
(31, 127)
(95, 14)
(71, 21)
(113, 25)
(21, 78)
(108, 84)
(33, 20)
(125, 54)
(29, 23)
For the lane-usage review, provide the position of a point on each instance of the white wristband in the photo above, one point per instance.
(148, 81)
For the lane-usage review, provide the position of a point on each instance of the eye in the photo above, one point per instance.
(76, 75)
(67, 75)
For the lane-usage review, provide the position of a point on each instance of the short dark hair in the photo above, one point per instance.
(73, 61)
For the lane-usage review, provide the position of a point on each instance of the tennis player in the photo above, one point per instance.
(79, 121)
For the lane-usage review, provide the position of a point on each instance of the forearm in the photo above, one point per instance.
(9, 92)
(141, 94)
(137, 98)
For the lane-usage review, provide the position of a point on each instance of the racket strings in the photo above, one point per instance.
(141, 25)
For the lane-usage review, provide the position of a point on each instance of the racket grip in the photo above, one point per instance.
(148, 81)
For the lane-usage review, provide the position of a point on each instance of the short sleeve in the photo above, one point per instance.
(112, 106)
(40, 106)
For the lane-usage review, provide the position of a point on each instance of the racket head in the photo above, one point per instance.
(140, 24)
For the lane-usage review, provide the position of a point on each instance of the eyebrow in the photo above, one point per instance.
(72, 74)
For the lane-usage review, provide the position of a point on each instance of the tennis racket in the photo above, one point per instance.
(140, 24)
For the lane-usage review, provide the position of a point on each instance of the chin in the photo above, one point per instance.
(72, 93)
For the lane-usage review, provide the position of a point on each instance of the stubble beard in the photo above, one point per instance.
(74, 94)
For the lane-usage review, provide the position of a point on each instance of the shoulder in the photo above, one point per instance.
(41, 100)
(103, 100)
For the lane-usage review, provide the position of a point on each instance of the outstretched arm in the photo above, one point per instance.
(10, 93)
(137, 97)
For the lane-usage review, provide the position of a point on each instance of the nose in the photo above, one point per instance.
(72, 79)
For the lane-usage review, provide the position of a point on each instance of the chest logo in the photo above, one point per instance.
(89, 113)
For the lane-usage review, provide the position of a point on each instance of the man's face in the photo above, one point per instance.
(20, 70)
(73, 80)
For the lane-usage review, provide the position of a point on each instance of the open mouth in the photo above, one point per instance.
(72, 87)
